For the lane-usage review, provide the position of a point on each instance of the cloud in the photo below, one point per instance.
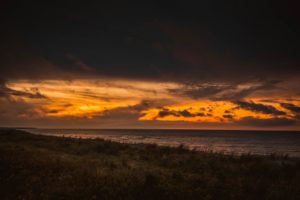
(291, 107)
(15, 111)
(197, 91)
(18, 61)
(212, 49)
(224, 91)
(228, 116)
(8, 92)
(133, 111)
(217, 56)
(260, 108)
(272, 122)
(143, 105)
(238, 94)
(181, 113)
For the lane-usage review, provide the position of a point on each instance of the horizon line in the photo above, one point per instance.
(154, 129)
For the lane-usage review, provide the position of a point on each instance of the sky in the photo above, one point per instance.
(150, 64)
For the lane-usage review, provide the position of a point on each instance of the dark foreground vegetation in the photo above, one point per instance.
(44, 167)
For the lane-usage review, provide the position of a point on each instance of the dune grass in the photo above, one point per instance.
(46, 167)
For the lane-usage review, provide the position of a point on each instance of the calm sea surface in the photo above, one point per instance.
(236, 142)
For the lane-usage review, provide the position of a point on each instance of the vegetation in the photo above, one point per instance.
(45, 167)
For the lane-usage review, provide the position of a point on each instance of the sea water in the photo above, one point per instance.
(225, 141)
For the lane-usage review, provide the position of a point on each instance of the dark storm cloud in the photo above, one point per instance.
(224, 91)
(147, 104)
(197, 91)
(7, 92)
(143, 105)
(291, 107)
(166, 112)
(125, 113)
(273, 122)
(182, 113)
(243, 93)
(135, 110)
(186, 113)
(14, 111)
(203, 41)
(19, 61)
(228, 116)
(260, 108)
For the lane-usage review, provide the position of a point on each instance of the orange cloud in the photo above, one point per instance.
(83, 98)
(89, 99)
(207, 111)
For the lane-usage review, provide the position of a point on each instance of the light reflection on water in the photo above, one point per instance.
(236, 142)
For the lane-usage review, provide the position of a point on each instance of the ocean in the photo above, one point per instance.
(225, 141)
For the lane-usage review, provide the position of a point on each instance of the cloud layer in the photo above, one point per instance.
(205, 63)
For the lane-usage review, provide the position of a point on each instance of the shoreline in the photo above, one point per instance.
(183, 138)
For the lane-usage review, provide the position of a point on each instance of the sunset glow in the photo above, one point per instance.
(149, 101)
